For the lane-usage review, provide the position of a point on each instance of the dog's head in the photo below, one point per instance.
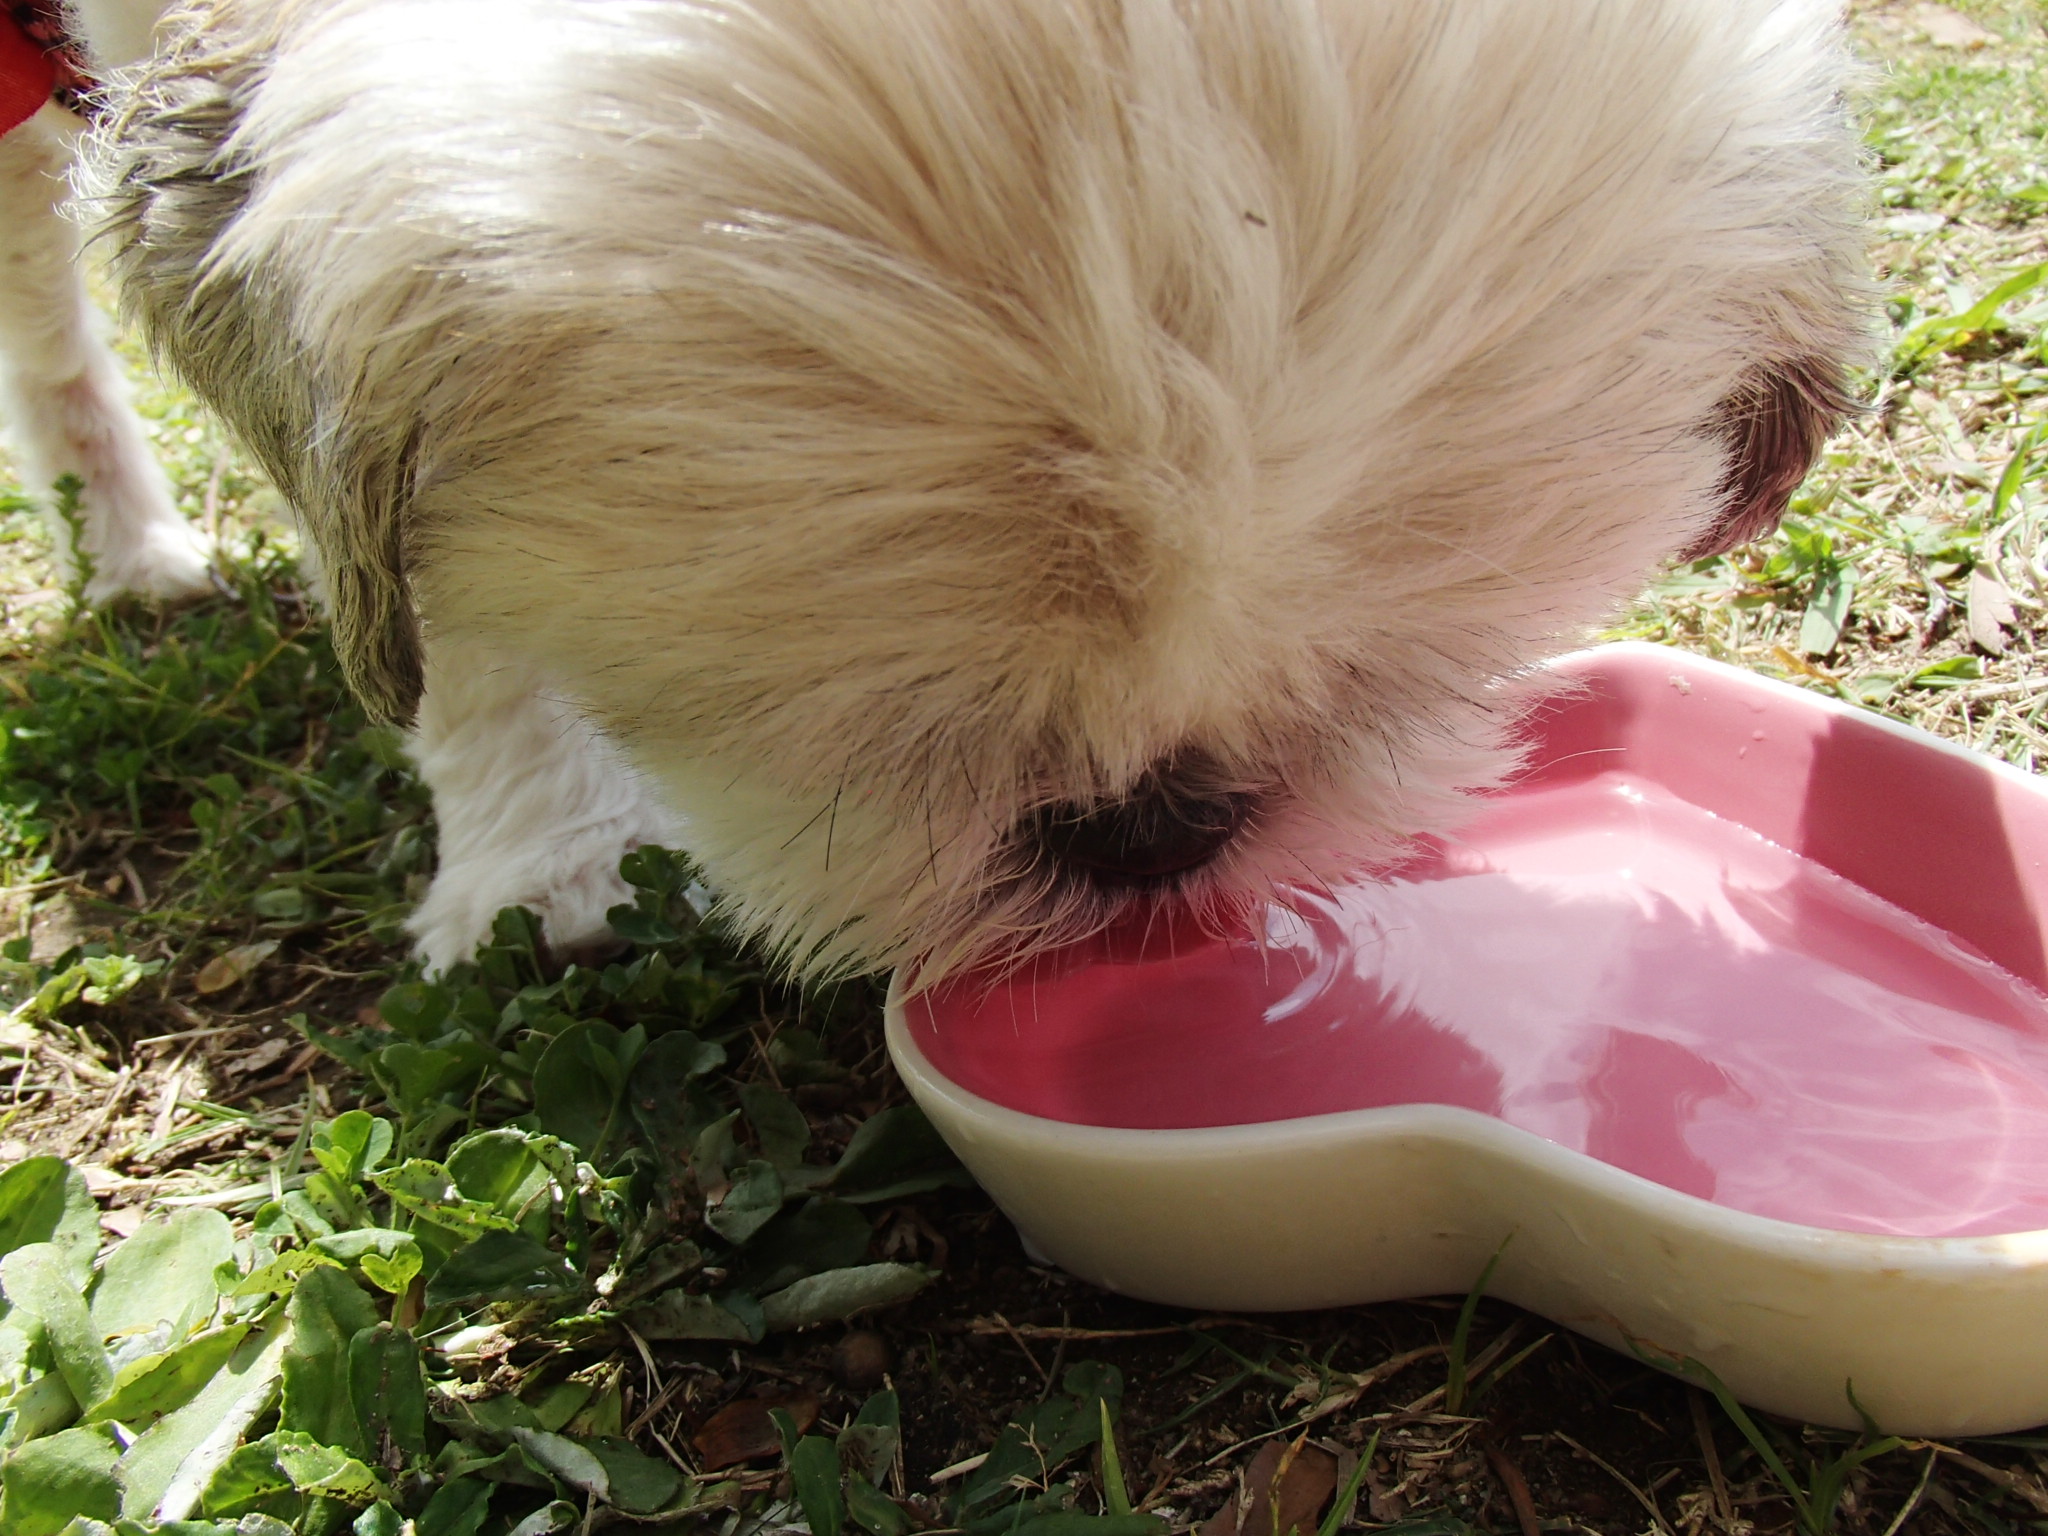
(996, 459)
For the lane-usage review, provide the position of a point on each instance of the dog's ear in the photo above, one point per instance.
(1772, 424)
(170, 184)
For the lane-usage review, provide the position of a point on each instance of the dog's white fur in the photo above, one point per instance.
(885, 419)
(62, 398)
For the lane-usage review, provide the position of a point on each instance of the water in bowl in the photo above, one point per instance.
(1599, 963)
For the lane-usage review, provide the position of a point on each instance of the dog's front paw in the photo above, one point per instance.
(163, 560)
(569, 883)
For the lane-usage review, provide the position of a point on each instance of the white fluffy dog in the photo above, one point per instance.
(61, 394)
(966, 465)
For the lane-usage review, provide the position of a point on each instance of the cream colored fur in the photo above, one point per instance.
(63, 402)
(882, 419)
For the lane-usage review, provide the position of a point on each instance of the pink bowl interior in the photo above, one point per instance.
(1757, 949)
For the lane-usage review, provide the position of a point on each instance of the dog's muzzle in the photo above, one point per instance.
(1168, 825)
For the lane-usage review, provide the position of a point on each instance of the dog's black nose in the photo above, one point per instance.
(1172, 821)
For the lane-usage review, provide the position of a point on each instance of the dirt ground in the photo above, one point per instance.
(194, 791)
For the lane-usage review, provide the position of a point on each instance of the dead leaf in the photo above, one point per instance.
(223, 971)
(1950, 29)
(1991, 611)
(260, 1058)
(1284, 1489)
(102, 1181)
(742, 1431)
(124, 1222)
(55, 926)
(1969, 471)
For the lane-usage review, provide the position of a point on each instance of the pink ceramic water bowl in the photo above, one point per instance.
(1728, 1019)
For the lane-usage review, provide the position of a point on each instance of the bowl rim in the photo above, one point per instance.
(1931, 1257)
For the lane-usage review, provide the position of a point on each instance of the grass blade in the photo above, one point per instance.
(1461, 1336)
(1348, 1495)
(1113, 1489)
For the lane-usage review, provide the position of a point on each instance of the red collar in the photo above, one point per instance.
(38, 61)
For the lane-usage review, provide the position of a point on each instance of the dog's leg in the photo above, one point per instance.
(64, 400)
(535, 807)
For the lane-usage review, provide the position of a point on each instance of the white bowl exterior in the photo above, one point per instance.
(1938, 1336)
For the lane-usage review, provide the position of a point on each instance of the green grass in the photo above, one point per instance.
(1909, 576)
(484, 1255)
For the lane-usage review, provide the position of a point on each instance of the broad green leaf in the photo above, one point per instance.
(44, 1200)
(305, 1215)
(557, 1516)
(380, 1519)
(47, 1483)
(577, 1086)
(1074, 1523)
(823, 1233)
(892, 1154)
(798, 1056)
(286, 903)
(393, 1276)
(323, 1470)
(161, 1384)
(873, 1511)
(749, 1205)
(1087, 1380)
(559, 1404)
(502, 1266)
(661, 871)
(457, 1508)
(416, 1009)
(869, 1443)
(659, 1091)
(1060, 1426)
(814, 1468)
(386, 1243)
(42, 1407)
(640, 1485)
(250, 1480)
(1044, 1437)
(604, 1414)
(288, 1461)
(353, 1144)
(164, 1470)
(164, 1273)
(667, 1263)
(416, 1075)
(1011, 1458)
(644, 928)
(679, 1315)
(282, 1273)
(387, 1390)
(424, 1189)
(38, 1279)
(780, 1130)
(747, 1310)
(1834, 594)
(326, 1311)
(839, 1293)
(497, 1417)
(499, 1169)
(712, 1151)
(564, 1458)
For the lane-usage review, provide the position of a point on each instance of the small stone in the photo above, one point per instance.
(861, 1360)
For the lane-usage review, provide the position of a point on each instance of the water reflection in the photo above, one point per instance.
(1597, 963)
